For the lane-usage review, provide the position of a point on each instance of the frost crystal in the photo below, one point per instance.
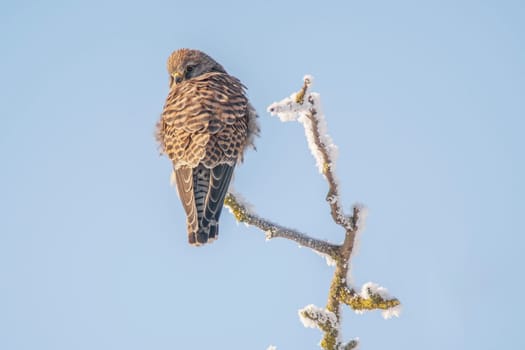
(289, 110)
(374, 288)
(360, 225)
(249, 208)
(393, 311)
(311, 316)
(363, 214)
(328, 258)
(308, 79)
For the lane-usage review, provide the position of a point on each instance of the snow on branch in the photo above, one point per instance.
(305, 107)
(371, 297)
(314, 317)
(294, 108)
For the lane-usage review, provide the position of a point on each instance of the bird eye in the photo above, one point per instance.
(189, 69)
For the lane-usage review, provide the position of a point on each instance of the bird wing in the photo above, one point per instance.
(205, 120)
(220, 178)
(184, 180)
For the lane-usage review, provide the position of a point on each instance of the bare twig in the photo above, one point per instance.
(273, 230)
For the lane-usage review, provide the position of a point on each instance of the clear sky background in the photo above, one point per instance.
(425, 99)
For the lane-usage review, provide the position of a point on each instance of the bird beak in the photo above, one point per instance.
(177, 77)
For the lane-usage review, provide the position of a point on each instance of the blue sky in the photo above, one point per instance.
(425, 100)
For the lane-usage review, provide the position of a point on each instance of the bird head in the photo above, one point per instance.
(185, 64)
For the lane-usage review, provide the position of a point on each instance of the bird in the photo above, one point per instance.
(205, 127)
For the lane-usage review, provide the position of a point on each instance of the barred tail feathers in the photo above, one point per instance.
(184, 180)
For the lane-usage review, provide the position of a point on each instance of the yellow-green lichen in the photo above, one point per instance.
(374, 302)
(238, 212)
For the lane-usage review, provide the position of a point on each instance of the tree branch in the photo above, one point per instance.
(273, 230)
(304, 107)
(373, 301)
(333, 187)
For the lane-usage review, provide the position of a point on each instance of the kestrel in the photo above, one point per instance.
(206, 125)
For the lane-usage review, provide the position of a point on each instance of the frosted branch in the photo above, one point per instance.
(314, 317)
(242, 213)
(305, 107)
(372, 297)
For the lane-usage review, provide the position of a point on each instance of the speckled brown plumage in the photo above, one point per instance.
(206, 125)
